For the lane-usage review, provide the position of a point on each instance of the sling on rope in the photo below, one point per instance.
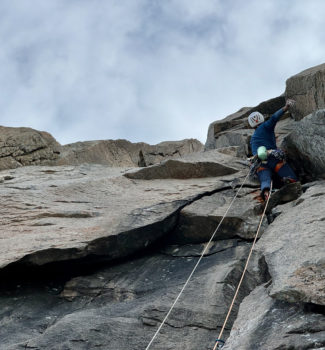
(195, 267)
(243, 274)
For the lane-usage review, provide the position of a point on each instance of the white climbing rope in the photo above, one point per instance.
(195, 267)
(244, 271)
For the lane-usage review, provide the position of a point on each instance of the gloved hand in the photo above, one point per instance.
(278, 154)
(290, 103)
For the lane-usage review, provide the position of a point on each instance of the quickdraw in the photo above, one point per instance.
(220, 343)
(255, 164)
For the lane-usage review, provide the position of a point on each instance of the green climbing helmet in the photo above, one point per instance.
(262, 153)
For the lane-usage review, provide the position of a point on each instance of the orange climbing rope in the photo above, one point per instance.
(243, 274)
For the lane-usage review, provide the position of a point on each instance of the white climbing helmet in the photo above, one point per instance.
(255, 118)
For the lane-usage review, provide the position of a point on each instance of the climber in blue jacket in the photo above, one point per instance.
(263, 144)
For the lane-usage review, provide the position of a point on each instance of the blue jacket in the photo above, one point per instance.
(264, 134)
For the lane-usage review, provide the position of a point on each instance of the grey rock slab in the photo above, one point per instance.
(60, 213)
(264, 323)
(293, 249)
(121, 307)
(306, 144)
(307, 88)
(199, 220)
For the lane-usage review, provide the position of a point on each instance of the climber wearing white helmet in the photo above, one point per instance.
(263, 144)
(255, 119)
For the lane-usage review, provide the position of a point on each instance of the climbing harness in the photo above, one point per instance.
(259, 159)
(195, 267)
(253, 169)
(244, 271)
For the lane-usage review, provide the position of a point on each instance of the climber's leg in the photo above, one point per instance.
(265, 176)
(285, 172)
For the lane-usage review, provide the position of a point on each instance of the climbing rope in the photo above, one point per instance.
(244, 271)
(195, 267)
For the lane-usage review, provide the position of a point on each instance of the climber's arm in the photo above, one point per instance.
(269, 124)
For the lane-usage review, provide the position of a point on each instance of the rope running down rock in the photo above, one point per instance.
(244, 271)
(195, 267)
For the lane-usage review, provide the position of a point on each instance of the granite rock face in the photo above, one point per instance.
(307, 88)
(92, 256)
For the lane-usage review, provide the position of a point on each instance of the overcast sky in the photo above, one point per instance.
(148, 70)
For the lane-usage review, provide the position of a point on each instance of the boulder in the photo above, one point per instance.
(25, 146)
(201, 165)
(307, 88)
(291, 247)
(123, 153)
(269, 324)
(305, 145)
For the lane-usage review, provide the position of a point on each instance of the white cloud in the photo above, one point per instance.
(148, 70)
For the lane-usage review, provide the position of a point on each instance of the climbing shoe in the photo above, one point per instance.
(265, 194)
